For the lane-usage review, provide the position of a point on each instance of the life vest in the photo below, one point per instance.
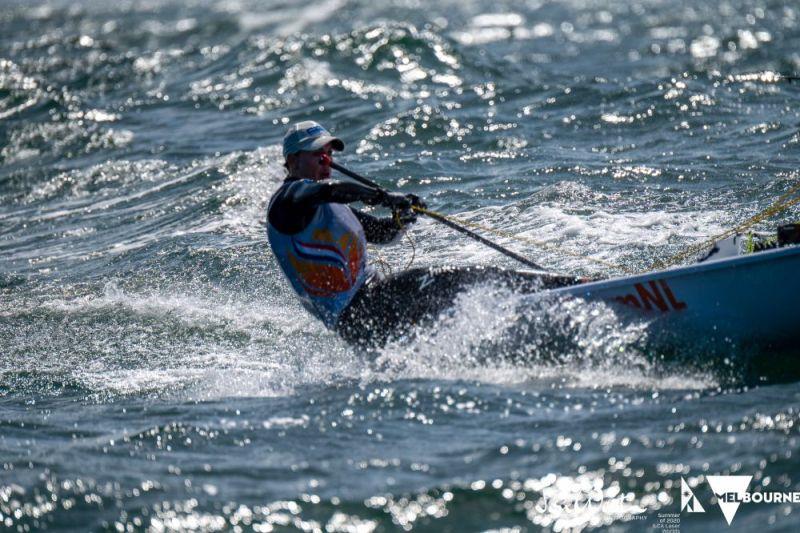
(326, 262)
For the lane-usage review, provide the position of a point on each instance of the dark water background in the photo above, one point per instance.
(157, 373)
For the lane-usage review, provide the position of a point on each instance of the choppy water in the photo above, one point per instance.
(157, 373)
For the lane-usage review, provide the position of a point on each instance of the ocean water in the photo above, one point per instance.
(158, 374)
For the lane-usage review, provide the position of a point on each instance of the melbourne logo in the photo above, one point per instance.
(689, 502)
(730, 491)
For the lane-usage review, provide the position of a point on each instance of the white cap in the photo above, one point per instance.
(308, 136)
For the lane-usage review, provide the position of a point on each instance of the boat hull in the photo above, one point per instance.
(747, 300)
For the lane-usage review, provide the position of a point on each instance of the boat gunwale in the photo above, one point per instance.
(678, 271)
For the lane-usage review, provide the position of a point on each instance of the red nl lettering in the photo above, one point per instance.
(629, 299)
(655, 296)
(671, 297)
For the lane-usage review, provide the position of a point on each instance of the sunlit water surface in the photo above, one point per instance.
(157, 373)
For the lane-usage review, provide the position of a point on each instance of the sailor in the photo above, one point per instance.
(319, 240)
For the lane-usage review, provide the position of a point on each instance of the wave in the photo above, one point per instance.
(200, 346)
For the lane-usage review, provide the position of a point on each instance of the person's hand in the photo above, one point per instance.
(416, 201)
(396, 201)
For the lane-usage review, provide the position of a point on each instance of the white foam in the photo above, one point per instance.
(495, 336)
(194, 344)
(192, 309)
(566, 239)
(201, 345)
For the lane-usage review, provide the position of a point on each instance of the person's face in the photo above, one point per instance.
(308, 165)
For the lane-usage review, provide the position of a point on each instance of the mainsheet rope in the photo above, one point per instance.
(781, 204)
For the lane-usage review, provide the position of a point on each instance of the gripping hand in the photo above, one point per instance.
(396, 201)
(416, 201)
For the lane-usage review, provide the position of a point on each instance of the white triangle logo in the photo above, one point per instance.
(729, 485)
(689, 501)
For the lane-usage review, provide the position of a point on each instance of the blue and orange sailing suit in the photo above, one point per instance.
(320, 242)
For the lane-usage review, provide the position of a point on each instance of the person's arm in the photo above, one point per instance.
(309, 195)
(293, 207)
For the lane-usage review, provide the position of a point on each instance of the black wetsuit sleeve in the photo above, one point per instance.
(377, 230)
(295, 203)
